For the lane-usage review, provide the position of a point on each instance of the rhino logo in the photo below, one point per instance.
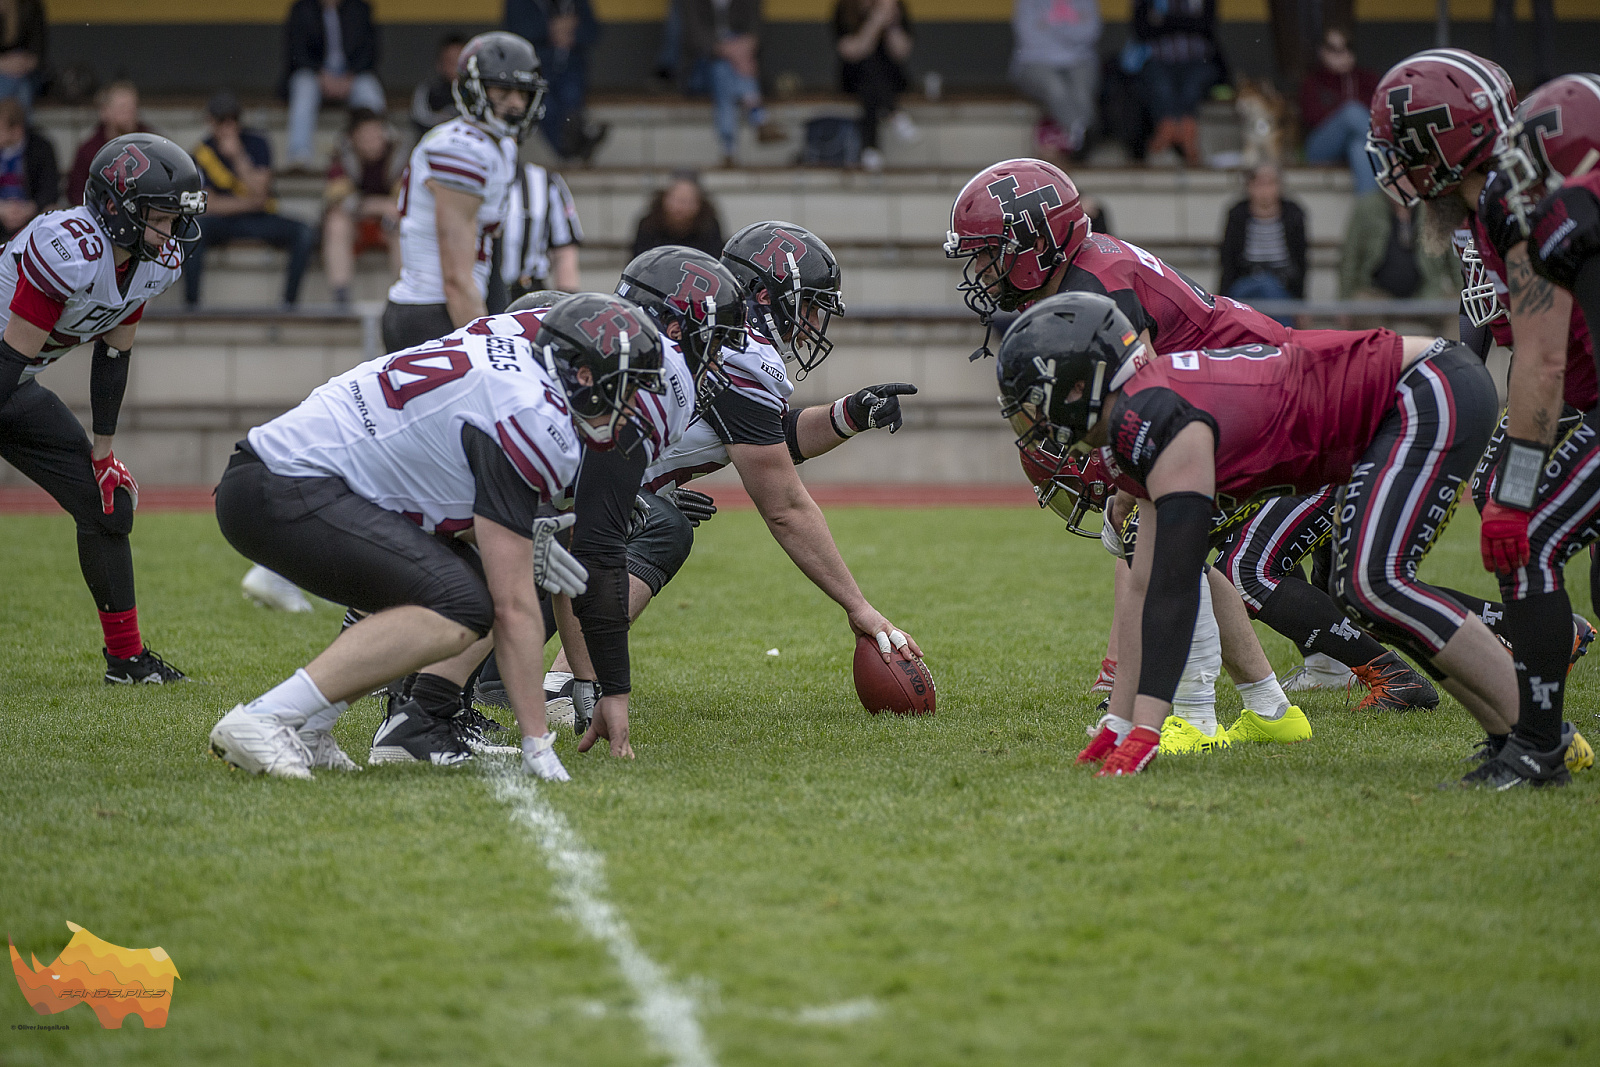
(114, 982)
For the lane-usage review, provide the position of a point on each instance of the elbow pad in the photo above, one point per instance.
(791, 435)
(1172, 602)
(108, 380)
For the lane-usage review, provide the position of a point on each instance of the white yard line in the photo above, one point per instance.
(666, 1012)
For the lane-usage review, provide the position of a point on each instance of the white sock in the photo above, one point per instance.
(1266, 697)
(1202, 717)
(1120, 726)
(292, 702)
(554, 680)
(324, 719)
(1324, 664)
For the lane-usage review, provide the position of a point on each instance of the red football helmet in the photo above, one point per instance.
(1070, 485)
(1436, 117)
(1556, 133)
(1000, 220)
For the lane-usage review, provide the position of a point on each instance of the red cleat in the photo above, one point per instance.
(1102, 746)
(1107, 675)
(1133, 755)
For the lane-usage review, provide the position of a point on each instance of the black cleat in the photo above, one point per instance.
(1519, 765)
(1487, 748)
(1583, 635)
(146, 668)
(409, 734)
(482, 734)
(1394, 686)
(492, 694)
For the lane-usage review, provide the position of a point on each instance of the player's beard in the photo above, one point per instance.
(1441, 218)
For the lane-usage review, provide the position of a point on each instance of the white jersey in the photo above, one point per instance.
(665, 417)
(540, 215)
(391, 428)
(67, 257)
(459, 156)
(757, 374)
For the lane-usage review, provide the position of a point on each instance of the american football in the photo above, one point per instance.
(904, 687)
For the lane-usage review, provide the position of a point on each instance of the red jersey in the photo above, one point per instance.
(1581, 389)
(1287, 419)
(1180, 315)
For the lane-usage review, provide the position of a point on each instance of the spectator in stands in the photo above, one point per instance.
(30, 179)
(540, 236)
(433, 101)
(360, 211)
(1055, 61)
(723, 38)
(1264, 243)
(1334, 102)
(237, 167)
(680, 214)
(1181, 66)
(332, 50)
(23, 36)
(563, 32)
(874, 41)
(1383, 255)
(119, 114)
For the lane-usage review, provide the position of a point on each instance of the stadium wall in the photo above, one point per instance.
(190, 46)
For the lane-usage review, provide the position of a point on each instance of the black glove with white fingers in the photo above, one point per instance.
(877, 407)
(695, 506)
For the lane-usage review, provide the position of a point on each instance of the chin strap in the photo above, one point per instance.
(983, 349)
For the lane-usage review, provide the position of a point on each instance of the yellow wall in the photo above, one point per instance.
(433, 11)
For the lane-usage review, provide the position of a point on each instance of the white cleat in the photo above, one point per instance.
(540, 760)
(1318, 672)
(272, 590)
(260, 744)
(325, 751)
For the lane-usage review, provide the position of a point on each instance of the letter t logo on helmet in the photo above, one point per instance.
(1014, 223)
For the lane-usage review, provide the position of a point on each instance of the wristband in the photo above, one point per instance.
(1521, 466)
(841, 421)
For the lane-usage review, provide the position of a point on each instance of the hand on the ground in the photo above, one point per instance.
(611, 723)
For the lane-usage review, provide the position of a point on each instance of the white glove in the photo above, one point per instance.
(554, 568)
(1111, 537)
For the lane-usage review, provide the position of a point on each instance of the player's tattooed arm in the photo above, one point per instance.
(1540, 316)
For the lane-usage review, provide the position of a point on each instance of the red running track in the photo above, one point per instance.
(30, 500)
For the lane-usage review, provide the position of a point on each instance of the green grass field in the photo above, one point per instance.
(827, 888)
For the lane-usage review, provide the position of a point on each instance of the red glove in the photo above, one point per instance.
(110, 473)
(1504, 538)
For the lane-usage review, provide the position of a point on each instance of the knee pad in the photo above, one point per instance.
(94, 521)
(660, 548)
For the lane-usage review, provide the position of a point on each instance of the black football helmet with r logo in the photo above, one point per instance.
(136, 174)
(617, 348)
(800, 276)
(509, 62)
(1060, 344)
(674, 284)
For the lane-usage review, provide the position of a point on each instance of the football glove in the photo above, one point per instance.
(695, 506)
(877, 407)
(554, 568)
(1566, 233)
(1503, 539)
(584, 695)
(109, 473)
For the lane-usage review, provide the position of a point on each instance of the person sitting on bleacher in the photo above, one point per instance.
(360, 211)
(432, 101)
(237, 167)
(1264, 244)
(331, 52)
(118, 104)
(30, 179)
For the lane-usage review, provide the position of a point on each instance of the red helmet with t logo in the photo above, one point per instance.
(1014, 223)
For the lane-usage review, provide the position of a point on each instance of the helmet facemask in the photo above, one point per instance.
(471, 93)
(608, 395)
(1478, 297)
(791, 330)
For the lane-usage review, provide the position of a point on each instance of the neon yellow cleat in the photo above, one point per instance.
(1180, 736)
(1294, 726)
(1580, 756)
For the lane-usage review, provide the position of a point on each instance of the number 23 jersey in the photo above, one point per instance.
(59, 273)
(392, 427)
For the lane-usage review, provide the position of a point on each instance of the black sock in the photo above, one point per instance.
(1308, 617)
(1492, 613)
(1594, 578)
(438, 696)
(1540, 631)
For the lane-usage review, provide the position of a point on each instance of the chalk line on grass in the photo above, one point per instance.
(666, 1012)
(840, 1014)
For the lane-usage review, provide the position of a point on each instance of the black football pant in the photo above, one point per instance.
(40, 437)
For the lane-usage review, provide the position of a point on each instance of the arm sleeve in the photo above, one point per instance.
(500, 494)
(108, 380)
(738, 420)
(791, 435)
(1179, 557)
(608, 482)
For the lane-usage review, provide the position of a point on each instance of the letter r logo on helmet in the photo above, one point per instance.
(697, 285)
(775, 257)
(606, 328)
(128, 166)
